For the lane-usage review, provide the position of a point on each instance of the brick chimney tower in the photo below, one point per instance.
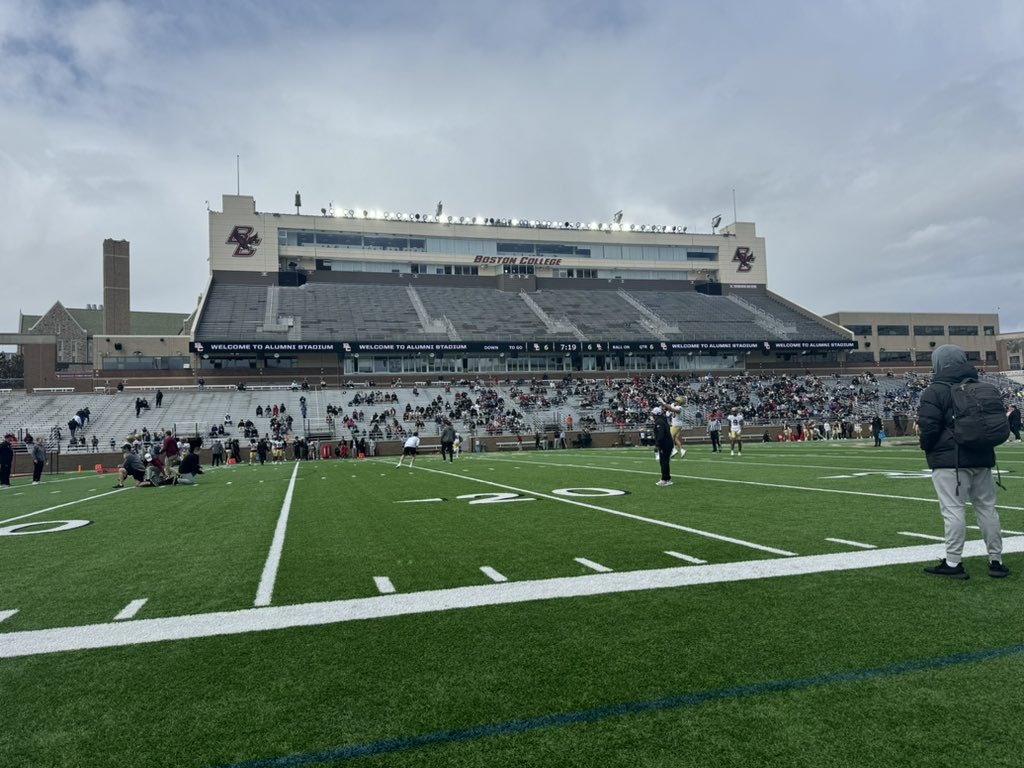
(117, 317)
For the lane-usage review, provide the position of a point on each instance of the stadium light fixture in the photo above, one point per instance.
(440, 208)
(715, 222)
(617, 217)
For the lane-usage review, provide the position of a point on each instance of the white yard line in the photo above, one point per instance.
(921, 535)
(7, 614)
(687, 558)
(592, 565)
(129, 611)
(117, 634)
(266, 588)
(384, 585)
(851, 543)
(651, 520)
(492, 574)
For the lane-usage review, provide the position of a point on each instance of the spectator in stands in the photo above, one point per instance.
(201, 382)
(259, 411)
(132, 467)
(159, 398)
(6, 460)
(95, 444)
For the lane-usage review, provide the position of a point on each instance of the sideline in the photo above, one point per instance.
(134, 632)
(581, 717)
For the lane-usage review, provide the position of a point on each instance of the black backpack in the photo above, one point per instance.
(979, 415)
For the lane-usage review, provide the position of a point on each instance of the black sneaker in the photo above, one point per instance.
(997, 570)
(945, 569)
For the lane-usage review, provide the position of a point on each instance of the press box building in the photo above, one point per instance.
(366, 292)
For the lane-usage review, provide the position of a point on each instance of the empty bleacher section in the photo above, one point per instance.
(321, 311)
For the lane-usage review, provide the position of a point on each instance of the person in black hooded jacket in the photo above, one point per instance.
(959, 474)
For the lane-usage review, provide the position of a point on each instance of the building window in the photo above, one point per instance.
(973, 357)
(963, 330)
(929, 330)
(990, 357)
(893, 330)
(989, 330)
(518, 269)
(859, 330)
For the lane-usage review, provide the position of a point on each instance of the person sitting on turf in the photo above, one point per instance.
(154, 476)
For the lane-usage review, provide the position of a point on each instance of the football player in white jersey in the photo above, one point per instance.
(735, 431)
(676, 425)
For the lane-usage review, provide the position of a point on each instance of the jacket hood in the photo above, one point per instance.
(947, 356)
(958, 372)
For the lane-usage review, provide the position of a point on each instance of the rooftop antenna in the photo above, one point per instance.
(734, 217)
(617, 217)
(439, 210)
(298, 202)
(715, 222)
(238, 174)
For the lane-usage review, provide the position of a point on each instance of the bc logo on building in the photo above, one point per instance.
(744, 256)
(245, 239)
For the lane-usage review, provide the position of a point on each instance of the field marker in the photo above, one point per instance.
(384, 585)
(629, 515)
(699, 478)
(119, 634)
(266, 587)
(131, 609)
(4, 615)
(592, 565)
(851, 543)
(921, 535)
(417, 501)
(58, 506)
(687, 558)
(492, 574)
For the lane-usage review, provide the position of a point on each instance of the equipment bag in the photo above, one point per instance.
(979, 415)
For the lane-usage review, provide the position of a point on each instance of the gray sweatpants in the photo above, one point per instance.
(978, 487)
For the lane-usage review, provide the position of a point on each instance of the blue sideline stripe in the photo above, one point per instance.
(632, 708)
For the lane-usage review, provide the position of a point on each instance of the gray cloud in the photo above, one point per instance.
(876, 145)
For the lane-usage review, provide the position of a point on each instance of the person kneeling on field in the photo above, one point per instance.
(189, 467)
(132, 467)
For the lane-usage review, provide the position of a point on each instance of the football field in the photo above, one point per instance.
(549, 608)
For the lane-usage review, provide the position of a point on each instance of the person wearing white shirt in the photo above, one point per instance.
(409, 449)
(676, 425)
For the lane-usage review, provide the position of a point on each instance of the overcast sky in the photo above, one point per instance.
(878, 145)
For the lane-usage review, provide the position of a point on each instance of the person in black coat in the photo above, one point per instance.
(663, 443)
(876, 430)
(1013, 416)
(959, 473)
(6, 460)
